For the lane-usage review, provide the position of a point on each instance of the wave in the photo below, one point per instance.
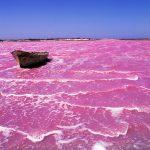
(101, 145)
(33, 138)
(4, 53)
(28, 95)
(66, 141)
(56, 98)
(116, 134)
(14, 67)
(104, 72)
(83, 128)
(116, 111)
(125, 87)
(71, 127)
(131, 78)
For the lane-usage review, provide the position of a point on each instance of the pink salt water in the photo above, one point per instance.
(93, 95)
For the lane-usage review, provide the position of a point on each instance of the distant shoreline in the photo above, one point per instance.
(67, 39)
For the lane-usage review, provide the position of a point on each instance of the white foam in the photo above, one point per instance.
(33, 138)
(4, 53)
(70, 94)
(134, 78)
(67, 141)
(76, 105)
(52, 99)
(14, 67)
(38, 138)
(43, 80)
(102, 72)
(144, 88)
(145, 109)
(5, 131)
(98, 146)
(116, 111)
(70, 127)
(116, 134)
(52, 96)
(29, 95)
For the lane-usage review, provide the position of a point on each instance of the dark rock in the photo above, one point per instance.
(30, 59)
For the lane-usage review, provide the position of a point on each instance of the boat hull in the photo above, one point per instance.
(30, 59)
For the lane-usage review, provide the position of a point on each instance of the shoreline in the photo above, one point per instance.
(68, 39)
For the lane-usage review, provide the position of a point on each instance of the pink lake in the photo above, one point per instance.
(93, 95)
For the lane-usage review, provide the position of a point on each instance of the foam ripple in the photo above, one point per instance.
(76, 93)
(116, 111)
(70, 127)
(14, 67)
(33, 138)
(66, 141)
(111, 134)
(104, 72)
(131, 78)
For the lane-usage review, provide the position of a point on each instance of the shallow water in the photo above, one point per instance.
(94, 95)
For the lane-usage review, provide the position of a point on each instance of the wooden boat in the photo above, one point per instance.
(30, 59)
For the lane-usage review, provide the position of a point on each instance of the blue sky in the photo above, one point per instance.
(74, 18)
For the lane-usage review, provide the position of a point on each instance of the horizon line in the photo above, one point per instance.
(71, 38)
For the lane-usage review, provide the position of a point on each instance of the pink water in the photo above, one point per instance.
(94, 95)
